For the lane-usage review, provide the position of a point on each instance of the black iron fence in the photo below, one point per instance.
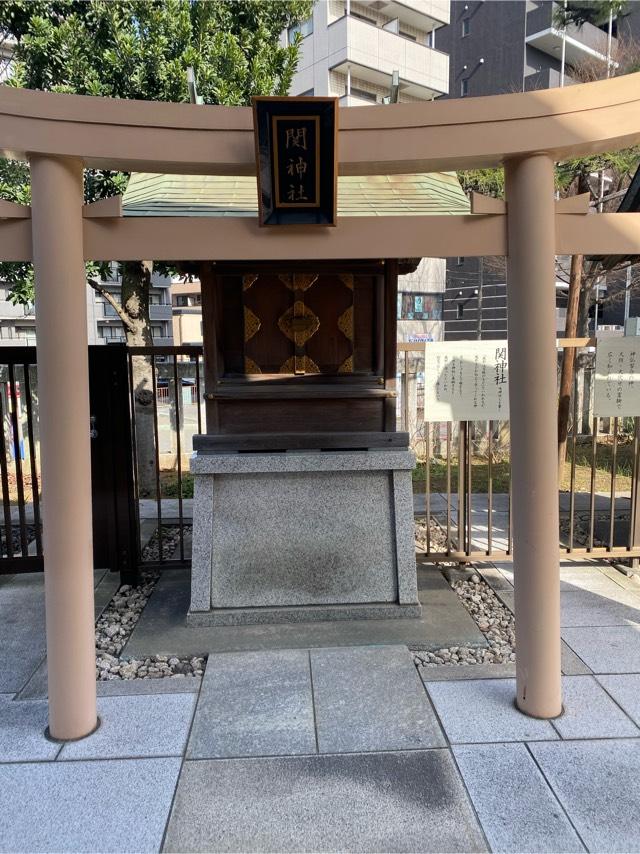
(21, 531)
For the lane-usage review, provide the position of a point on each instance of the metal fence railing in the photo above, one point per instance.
(462, 479)
(463, 474)
(163, 426)
(21, 530)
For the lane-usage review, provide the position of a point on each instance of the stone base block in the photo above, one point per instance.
(305, 535)
(301, 614)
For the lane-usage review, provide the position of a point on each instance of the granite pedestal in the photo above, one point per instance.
(302, 535)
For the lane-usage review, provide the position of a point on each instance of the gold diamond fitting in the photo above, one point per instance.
(252, 324)
(299, 323)
(345, 323)
(251, 367)
(298, 281)
(347, 279)
(299, 364)
(248, 280)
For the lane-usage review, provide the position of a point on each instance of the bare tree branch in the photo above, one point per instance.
(106, 295)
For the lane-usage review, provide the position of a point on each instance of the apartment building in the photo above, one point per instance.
(503, 46)
(350, 50)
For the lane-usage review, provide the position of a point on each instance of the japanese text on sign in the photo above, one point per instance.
(617, 384)
(296, 145)
(466, 381)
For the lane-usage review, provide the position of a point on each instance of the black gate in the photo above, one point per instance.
(115, 529)
(115, 524)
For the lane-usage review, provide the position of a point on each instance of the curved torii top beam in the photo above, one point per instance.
(403, 138)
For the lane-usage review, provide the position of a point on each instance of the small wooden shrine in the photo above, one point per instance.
(303, 504)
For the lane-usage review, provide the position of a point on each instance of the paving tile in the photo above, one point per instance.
(135, 727)
(484, 710)
(371, 698)
(625, 690)
(116, 805)
(591, 608)
(597, 581)
(22, 727)
(455, 672)
(412, 801)
(571, 664)
(168, 685)
(530, 817)
(495, 578)
(597, 783)
(589, 712)
(22, 643)
(611, 649)
(254, 704)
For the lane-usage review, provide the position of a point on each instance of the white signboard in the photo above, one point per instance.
(617, 386)
(466, 381)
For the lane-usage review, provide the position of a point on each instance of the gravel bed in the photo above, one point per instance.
(16, 542)
(117, 621)
(492, 617)
(437, 537)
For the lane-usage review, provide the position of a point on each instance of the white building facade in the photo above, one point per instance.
(351, 49)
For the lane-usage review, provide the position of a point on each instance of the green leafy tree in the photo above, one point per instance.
(142, 49)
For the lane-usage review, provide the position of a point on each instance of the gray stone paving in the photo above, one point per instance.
(354, 751)
(412, 801)
(597, 784)
(371, 698)
(114, 805)
(515, 805)
(483, 710)
(255, 704)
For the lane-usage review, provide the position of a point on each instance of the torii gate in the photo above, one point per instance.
(61, 134)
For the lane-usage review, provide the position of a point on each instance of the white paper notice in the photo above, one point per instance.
(466, 381)
(617, 386)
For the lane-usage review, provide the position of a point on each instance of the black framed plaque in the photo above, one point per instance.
(296, 160)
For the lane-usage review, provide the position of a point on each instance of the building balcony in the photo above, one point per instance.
(547, 78)
(372, 54)
(581, 44)
(422, 14)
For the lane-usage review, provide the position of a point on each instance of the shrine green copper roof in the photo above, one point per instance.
(151, 194)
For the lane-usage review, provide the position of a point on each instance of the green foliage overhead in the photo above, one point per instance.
(489, 182)
(141, 50)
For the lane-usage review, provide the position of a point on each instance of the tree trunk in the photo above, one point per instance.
(568, 360)
(136, 280)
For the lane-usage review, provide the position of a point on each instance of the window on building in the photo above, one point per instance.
(406, 35)
(460, 260)
(305, 29)
(419, 306)
(364, 95)
(464, 88)
(460, 311)
(197, 299)
(157, 331)
(361, 17)
(307, 94)
(466, 26)
(182, 299)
